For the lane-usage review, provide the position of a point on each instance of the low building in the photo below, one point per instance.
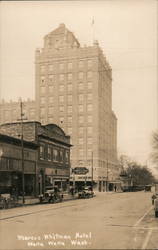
(11, 170)
(53, 153)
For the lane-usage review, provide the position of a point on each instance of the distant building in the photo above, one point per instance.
(74, 90)
(53, 154)
(10, 111)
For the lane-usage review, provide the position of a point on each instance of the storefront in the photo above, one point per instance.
(11, 171)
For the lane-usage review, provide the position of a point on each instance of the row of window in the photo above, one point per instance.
(53, 154)
(81, 109)
(69, 65)
(69, 99)
(68, 76)
(62, 87)
(82, 153)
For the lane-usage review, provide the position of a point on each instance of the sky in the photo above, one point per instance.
(126, 31)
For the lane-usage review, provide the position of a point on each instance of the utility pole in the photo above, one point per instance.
(22, 152)
(107, 175)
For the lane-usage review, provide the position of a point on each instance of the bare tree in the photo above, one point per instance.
(154, 154)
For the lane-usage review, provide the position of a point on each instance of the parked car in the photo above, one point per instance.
(86, 192)
(147, 188)
(51, 195)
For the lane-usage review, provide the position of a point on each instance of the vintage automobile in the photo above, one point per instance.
(86, 192)
(156, 207)
(51, 195)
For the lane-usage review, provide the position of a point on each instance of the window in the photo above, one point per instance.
(69, 65)
(61, 108)
(89, 107)
(80, 97)
(89, 153)
(42, 111)
(50, 119)
(55, 154)
(61, 119)
(61, 87)
(41, 152)
(90, 63)
(49, 153)
(89, 130)
(67, 156)
(50, 89)
(61, 77)
(80, 108)
(69, 87)
(50, 99)
(42, 79)
(80, 86)
(81, 119)
(43, 90)
(81, 130)
(89, 85)
(81, 64)
(32, 112)
(81, 152)
(89, 140)
(69, 130)
(61, 66)
(42, 68)
(69, 98)
(89, 74)
(50, 110)
(42, 100)
(89, 118)
(50, 79)
(80, 75)
(89, 96)
(61, 98)
(69, 118)
(80, 140)
(61, 155)
(69, 76)
(69, 108)
(50, 67)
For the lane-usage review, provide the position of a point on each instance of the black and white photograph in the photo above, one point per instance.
(79, 124)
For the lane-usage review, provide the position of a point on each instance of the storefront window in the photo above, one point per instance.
(61, 156)
(49, 153)
(55, 154)
(67, 156)
(41, 152)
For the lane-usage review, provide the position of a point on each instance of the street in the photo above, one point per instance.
(107, 221)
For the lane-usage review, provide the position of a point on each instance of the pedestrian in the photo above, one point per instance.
(115, 188)
(153, 197)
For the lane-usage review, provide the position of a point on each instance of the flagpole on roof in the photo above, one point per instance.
(92, 24)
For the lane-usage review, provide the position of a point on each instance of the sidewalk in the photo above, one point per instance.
(34, 201)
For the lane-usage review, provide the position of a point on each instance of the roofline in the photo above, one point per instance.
(17, 141)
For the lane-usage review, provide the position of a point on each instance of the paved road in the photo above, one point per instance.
(107, 221)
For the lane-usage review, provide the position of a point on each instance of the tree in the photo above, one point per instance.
(154, 154)
(137, 174)
(140, 175)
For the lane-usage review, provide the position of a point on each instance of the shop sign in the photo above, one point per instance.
(80, 170)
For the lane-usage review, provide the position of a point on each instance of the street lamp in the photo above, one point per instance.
(92, 170)
(22, 154)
